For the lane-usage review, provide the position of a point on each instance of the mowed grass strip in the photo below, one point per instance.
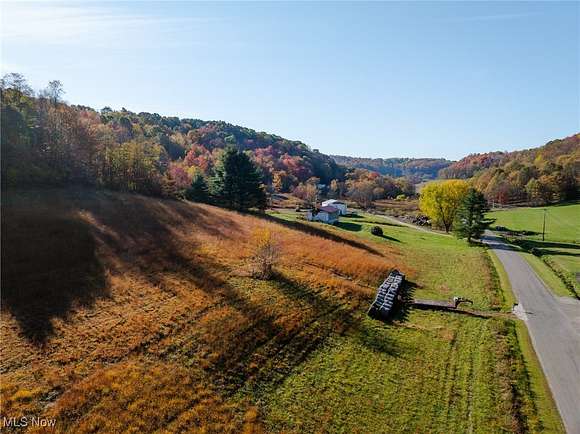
(436, 373)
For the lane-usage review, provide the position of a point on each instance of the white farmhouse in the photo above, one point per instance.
(337, 204)
(325, 214)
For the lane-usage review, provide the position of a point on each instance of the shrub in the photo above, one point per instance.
(377, 230)
(266, 254)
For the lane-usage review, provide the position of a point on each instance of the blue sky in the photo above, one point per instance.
(411, 79)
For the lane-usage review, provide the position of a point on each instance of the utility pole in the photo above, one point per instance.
(544, 226)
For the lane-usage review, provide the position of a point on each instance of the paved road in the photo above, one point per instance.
(554, 326)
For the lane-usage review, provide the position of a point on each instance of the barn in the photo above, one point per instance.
(325, 214)
(337, 204)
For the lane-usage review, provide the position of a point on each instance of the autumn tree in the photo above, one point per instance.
(441, 200)
(237, 182)
(308, 192)
(337, 189)
(362, 192)
(470, 221)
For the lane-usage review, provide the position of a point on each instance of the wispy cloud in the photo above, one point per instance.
(77, 24)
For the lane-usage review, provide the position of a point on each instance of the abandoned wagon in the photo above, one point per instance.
(387, 294)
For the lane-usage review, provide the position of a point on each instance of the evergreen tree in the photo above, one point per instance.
(198, 190)
(470, 221)
(237, 182)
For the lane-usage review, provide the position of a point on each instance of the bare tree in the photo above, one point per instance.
(53, 92)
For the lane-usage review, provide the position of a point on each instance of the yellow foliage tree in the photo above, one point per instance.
(266, 253)
(440, 201)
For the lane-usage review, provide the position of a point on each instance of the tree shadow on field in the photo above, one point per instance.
(49, 266)
(344, 315)
(57, 244)
(348, 226)
(320, 232)
(545, 245)
(387, 237)
(405, 304)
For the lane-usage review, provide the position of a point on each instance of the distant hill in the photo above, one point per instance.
(419, 169)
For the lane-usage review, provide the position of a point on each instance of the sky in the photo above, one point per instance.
(377, 79)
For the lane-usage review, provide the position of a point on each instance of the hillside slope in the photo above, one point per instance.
(126, 312)
(99, 289)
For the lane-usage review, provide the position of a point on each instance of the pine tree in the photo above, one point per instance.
(470, 221)
(237, 182)
(198, 190)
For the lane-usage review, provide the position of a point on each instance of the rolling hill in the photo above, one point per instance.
(126, 312)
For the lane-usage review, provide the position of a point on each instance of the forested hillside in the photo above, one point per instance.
(46, 141)
(470, 165)
(418, 169)
(549, 173)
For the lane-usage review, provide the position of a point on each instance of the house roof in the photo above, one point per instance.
(334, 201)
(329, 209)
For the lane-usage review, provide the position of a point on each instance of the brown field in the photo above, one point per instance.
(398, 208)
(129, 313)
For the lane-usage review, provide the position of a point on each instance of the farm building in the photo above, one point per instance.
(325, 214)
(337, 204)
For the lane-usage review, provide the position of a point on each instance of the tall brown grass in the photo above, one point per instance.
(116, 307)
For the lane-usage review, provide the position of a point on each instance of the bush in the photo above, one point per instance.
(266, 254)
(377, 230)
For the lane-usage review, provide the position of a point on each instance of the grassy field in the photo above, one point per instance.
(560, 251)
(443, 348)
(126, 313)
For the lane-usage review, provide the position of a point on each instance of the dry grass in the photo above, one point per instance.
(117, 307)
